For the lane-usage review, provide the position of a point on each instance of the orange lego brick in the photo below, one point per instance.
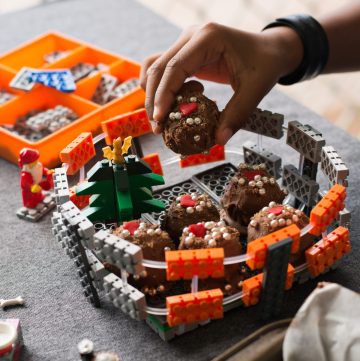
(80, 201)
(325, 212)
(134, 123)
(153, 160)
(78, 152)
(251, 287)
(216, 153)
(195, 262)
(327, 251)
(194, 307)
(257, 249)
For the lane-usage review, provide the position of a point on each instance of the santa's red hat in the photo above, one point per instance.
(27, 156)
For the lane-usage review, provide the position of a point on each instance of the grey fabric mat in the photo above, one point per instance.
(57, 315)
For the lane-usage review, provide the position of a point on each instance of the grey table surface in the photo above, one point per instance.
(56, 315)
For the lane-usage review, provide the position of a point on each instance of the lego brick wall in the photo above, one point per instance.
(57, 315)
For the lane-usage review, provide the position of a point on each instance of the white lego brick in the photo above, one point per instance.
(333, 166)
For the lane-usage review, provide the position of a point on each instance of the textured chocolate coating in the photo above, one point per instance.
(153, 241)
(251, 189)
(276, 216)
(191, 133)
(178, 217)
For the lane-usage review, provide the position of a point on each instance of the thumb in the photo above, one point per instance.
(234, 115)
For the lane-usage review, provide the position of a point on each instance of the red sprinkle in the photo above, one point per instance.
(188, 108)
(131, 226)
(276, 210)
(198, 229)
(250, 174)
(187, 201)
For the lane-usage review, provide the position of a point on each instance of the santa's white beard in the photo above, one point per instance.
(36, 171)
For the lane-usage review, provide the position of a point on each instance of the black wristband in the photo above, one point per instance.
(315, 44)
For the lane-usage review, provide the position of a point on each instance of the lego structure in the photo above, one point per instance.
(86, 237)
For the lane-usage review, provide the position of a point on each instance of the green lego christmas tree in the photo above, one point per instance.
(120, 186)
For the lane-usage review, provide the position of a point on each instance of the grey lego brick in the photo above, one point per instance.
(126, 297)
(5, 96)
(61, 186)
(301, 187)
(253, 156)
(119, 252)
(98, 271)
(344, 218)
(306, 140)
(81, 70)
(125, 88)
(104, 89)
(277, 259)
(265, 123)
(43, 208)
(159, 325)
(333, 166)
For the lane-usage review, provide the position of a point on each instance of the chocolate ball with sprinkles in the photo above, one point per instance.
(154, 242)
(251, 189)
(190, 126)
(188, 209)
(275, 216)
(215, 235)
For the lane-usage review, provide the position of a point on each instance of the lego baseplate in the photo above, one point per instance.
(43, 208)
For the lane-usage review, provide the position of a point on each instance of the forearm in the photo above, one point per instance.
(343, 31)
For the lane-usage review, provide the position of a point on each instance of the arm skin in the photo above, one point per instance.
(251, 63)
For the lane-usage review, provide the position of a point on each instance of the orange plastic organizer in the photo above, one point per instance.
(90, 114)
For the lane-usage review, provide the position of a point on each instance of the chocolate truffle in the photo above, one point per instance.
(215, 235)
(154, 242)
(276, 216)
(251, 189)
(188, 209)
(190, 126)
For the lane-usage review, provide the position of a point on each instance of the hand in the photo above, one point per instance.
(35, 188)
(251, 63)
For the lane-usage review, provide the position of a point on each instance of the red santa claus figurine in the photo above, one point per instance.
(34, 178)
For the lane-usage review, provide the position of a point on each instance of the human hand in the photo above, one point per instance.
(251, 63)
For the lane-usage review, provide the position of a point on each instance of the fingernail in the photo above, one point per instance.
(156, 113)
(153, 125)
(226, 134)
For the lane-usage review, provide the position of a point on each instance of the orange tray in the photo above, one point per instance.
(90, 114)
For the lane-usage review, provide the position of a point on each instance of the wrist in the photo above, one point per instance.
(287, 47)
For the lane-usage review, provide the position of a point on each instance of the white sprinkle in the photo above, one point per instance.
(172, 116)
(158, 231)
(189, 210)
(281, 222)
(221, 224)
(197, 121)
(178, 205)
(262, 191)
(207, 237)
(209, 225)
(288, 222)
(271, 215)
(223, 229)
(199, 208)
(298, 212)
(193, 99)
(179, 98)
(256, 167)
(295, 218)
(150, 232)
(262, 165)
(242, 166)
(202, 204)
(253, 223)
(272, 204)
(259, 184)
(178, 115)
(190, 121)
(265, 209)
(178, 199)
(265, 179)
(242, 181)
(167, 248)
(137, 233)
(227, 236)
(215, 234)
(257, 177)
(274, 223)
(189, 241)
(125, 233)
(196, 137)
(252, 184)
(186, 230)
(191, 234)
(194, 197)
(272, 180)
(212, 243)
(209, 204)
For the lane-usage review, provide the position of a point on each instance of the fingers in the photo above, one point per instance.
(145, 66)
(154, 73)
(236, 113)
(185, 63)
